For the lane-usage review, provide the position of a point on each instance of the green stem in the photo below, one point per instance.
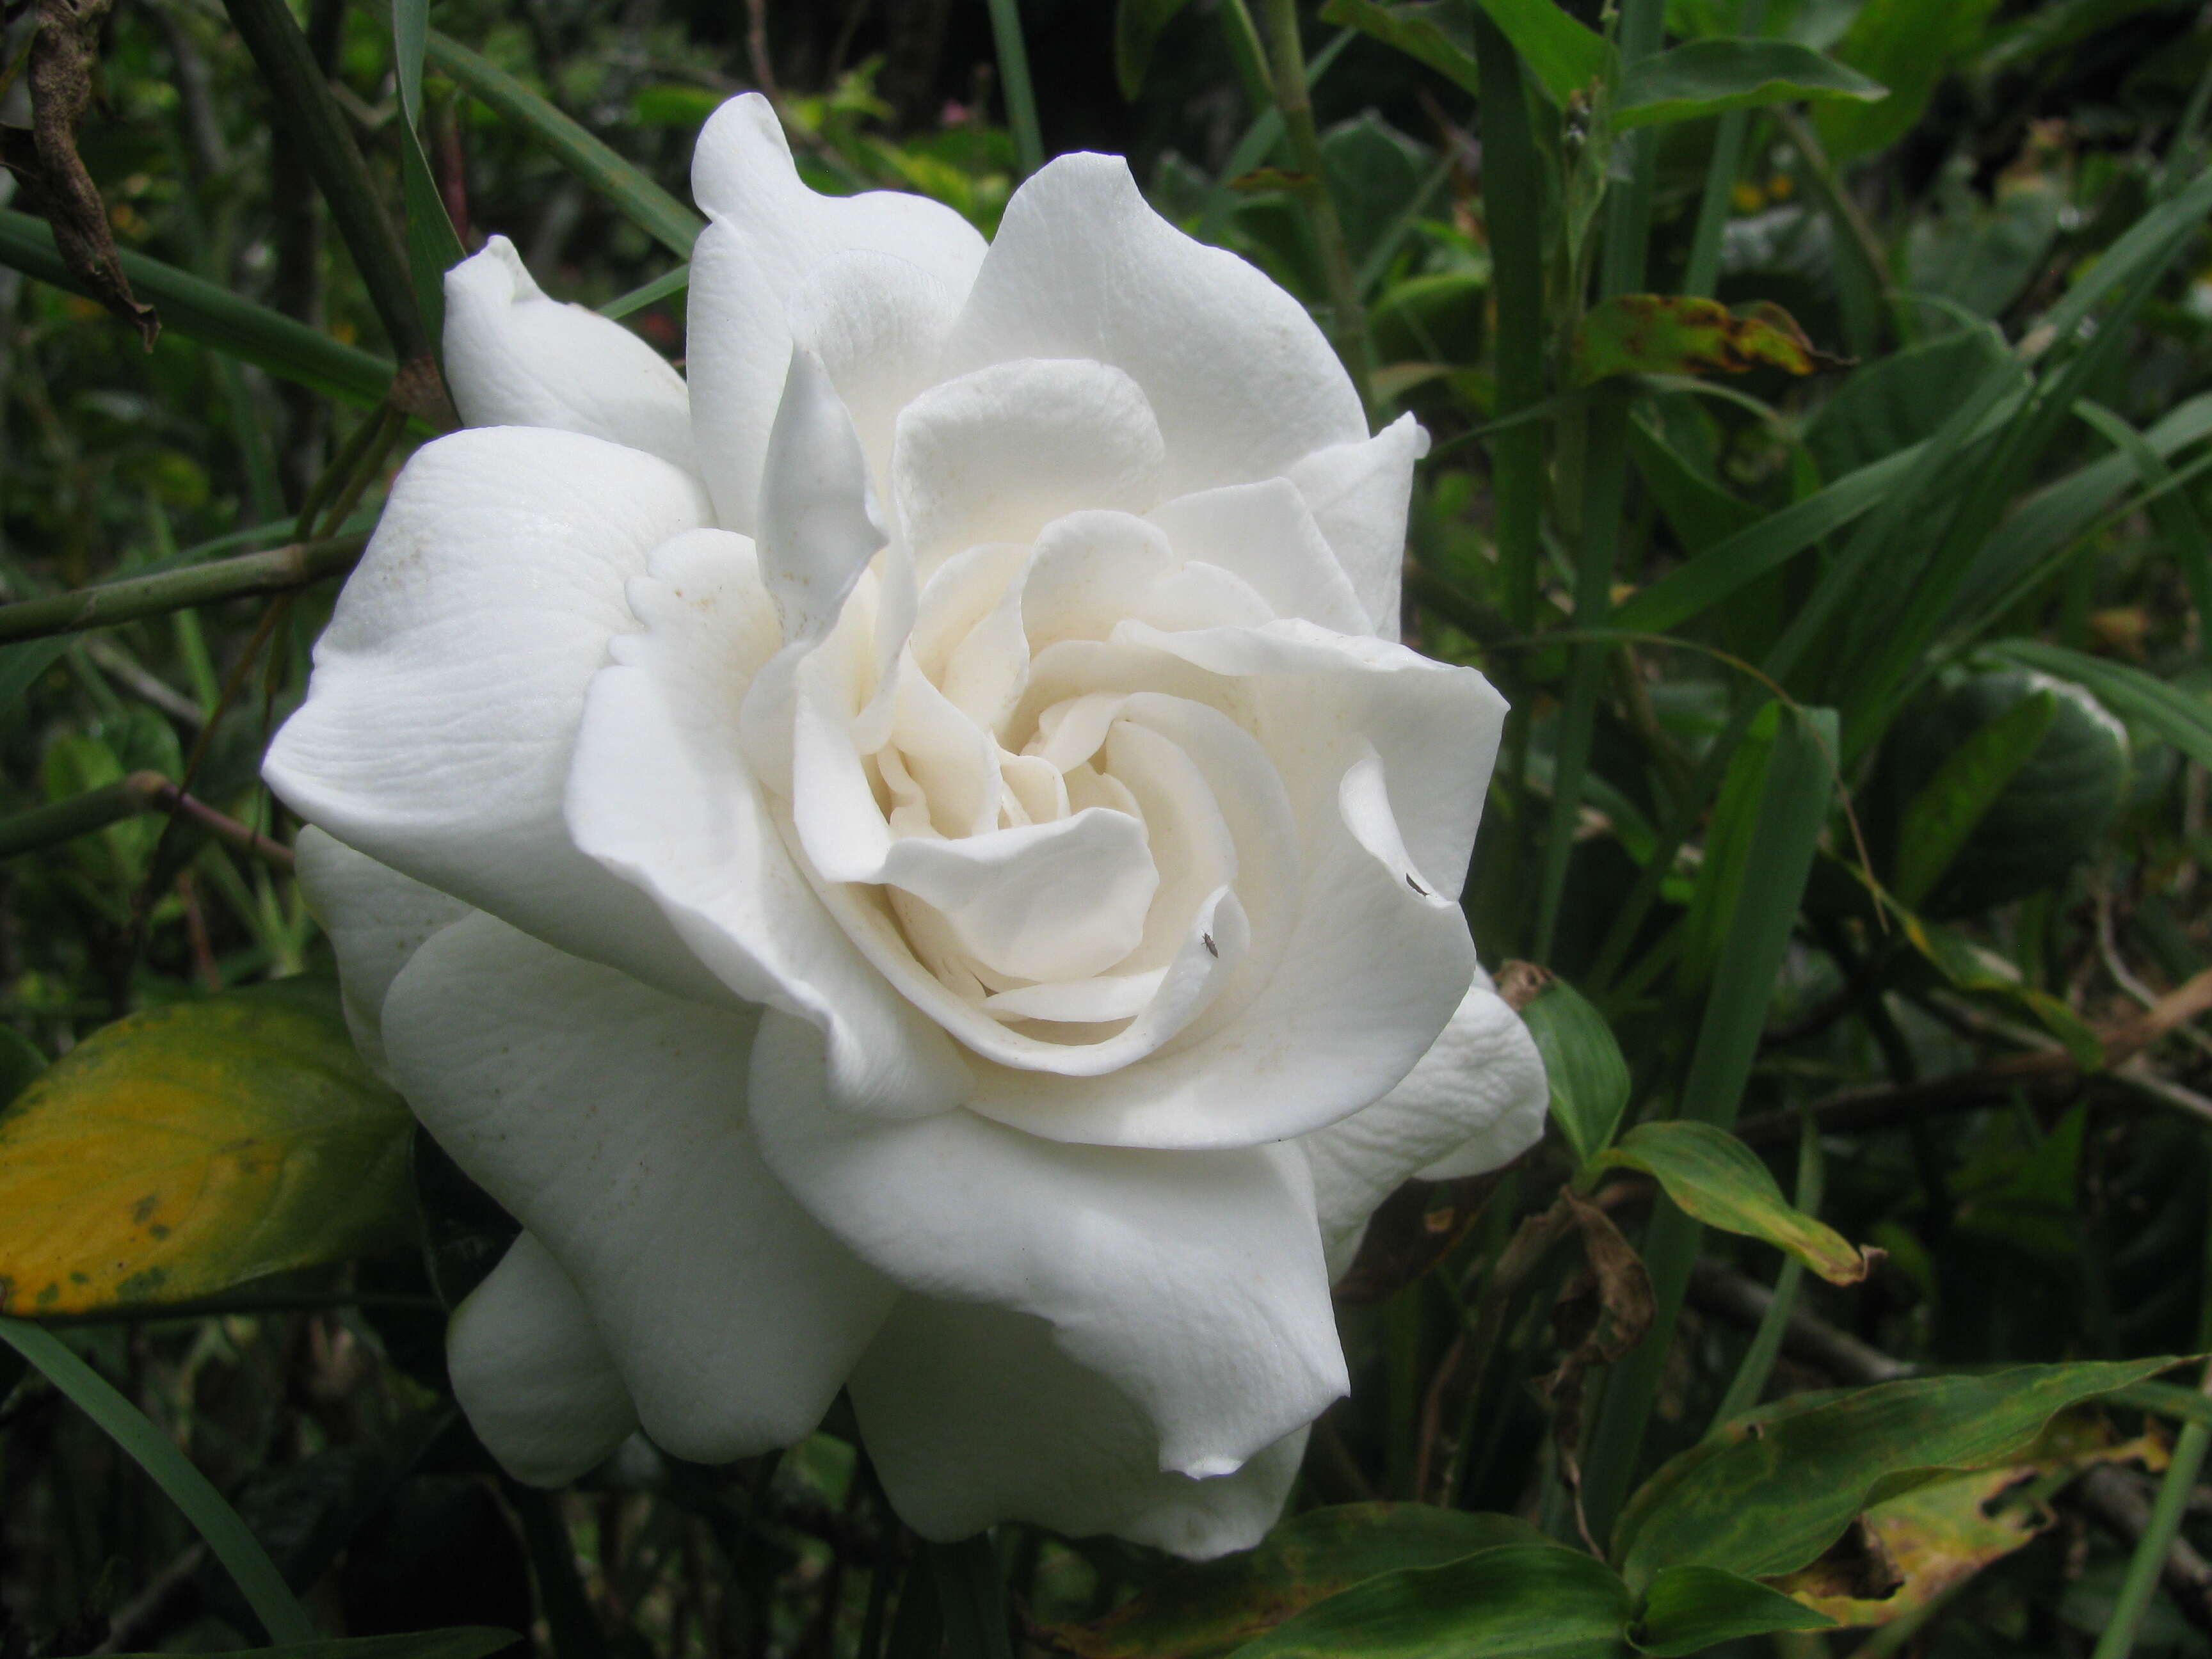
(1750, 1379)
(1704, 274)
(1793, 804)
(1509, 183)
(277, 571)
(1251, 56)
(314, 122)
(1347, 316)
(127, 797)
(1014, 74)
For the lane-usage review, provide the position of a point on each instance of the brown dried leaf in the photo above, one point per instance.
(63, 56)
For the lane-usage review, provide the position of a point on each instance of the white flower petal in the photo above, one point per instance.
(1476, 1101)
(818, 520)
(514, 357)
(973, 1416)
(878, 324)
(1242, 383)
(660, 794)
(610, 1121)
(1265, 533)
(1359, 493)
(376, 918)
(1051, 900)
(769, 236)
(1194, 1282)
(530, 1370)
(447, 688)
(997, 454)
(1320, 697)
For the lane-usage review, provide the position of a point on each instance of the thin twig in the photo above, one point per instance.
(140, 792)
(279, 570)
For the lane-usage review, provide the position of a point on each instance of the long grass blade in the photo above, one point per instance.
(213, 316)
(238, 1549)
(671, 224)
(1021, 94)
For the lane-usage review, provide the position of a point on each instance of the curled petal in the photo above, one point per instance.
(514, 357)
(610, 1119)
(818, 520)
(532, 1373)
(1265, 533)
(1358, 493)
(769, 235)
(447, 690)
(1193, 1282)
(1242, 383)
(1476, 1101)
(973, 1416)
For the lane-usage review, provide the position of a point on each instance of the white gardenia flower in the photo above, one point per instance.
(913, 862)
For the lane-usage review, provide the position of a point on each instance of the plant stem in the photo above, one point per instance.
(1750, 1379)
(303, 100)
(1014, 75)
(1511, 187)
(1704, 273)
(1251, 56)
(972, 1598)
(127, 797)
(276, 571)
(1347, 316)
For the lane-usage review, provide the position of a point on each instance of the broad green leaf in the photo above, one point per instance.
(1908, 45)
(1137, 26)
(189, 1148)
(1936, 1536)
(1431, 32)
(670, 224)
(213, 316)
(1583, 1062)
(462, 1642)
(1996, 838)
(1951, 805)
(216, 1522)
(1210, 1610)
(1674, 334)
(1705, 77)
(1432, 319)
(1689, 1609)
(1981, 254)
(1979, 971)
(2181, 717)
(1895, 402)
(1519, 1601)
(1565, 57)
(1769, 1492)
(1714, 1176)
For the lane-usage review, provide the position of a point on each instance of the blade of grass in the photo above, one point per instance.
(671, 224)
(1750, 1380)
(214, 317)
(2175, 515)
(434, 247)
(1510, 179)
(1718, 202)
(972, 1597)
(312, 119)
(1021, 96)
(1792, 806)
(1257, 144)
(227, 1537)
(674, 281)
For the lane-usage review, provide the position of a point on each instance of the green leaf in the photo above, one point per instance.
(1430, 31)
(1209, 1611)
(1565, 57)
(1771, 1491)
(1951, 805)
(1689, 1609)
(2181, 717)
(1674, 334)
(213, 316)
(1885, 407)
(1908, 45)
(1583, 1062)
(1700, 514)
(462, 1642)
(673, 281)
(187, 1149)
(1519, 1601)
(1714, 1176)
(670, 224)
(1705, 77)
(1433, 318)
(433, 247)
(1137, 26)
(226, 1536)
